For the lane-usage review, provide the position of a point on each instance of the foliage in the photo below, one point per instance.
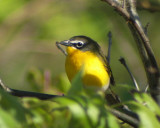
(77, 109)
(148, 110)
(28, 30)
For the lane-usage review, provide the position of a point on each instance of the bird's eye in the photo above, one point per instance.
(79, 44)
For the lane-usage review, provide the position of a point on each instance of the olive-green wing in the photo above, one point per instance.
(108, 69)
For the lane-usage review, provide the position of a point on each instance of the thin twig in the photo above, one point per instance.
(146, 28)
(2, 86)
(122, 60)
(146, 89)
(109, 46)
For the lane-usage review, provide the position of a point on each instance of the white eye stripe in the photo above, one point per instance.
(77, 41)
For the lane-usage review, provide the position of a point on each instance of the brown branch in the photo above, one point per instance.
(130, 15)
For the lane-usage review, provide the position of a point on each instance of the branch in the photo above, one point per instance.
(22, 94)
(130, 15)
(122, 60)
(109, 46)
(127, 118)
(40, 96)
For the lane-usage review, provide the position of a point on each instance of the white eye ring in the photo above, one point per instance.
(79, 44)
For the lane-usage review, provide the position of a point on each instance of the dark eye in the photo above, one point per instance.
(79, 44)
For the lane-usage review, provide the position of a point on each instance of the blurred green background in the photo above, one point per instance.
(30, 28)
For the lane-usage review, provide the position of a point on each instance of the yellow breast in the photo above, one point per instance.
(94, 72)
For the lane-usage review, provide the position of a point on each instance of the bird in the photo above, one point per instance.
(83, 53)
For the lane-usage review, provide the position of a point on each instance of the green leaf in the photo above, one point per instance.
(149, 102)
(11, 105)
(77, 85)
(112, 122)
(7, 120)
(93, 113)
(123, 91)
(76, 107)
(63, 83)
(147, 110)
(87, 112)
(147, 117)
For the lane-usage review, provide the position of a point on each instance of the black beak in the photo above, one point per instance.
(66, 43)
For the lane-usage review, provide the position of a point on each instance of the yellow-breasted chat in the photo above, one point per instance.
(83, 52)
